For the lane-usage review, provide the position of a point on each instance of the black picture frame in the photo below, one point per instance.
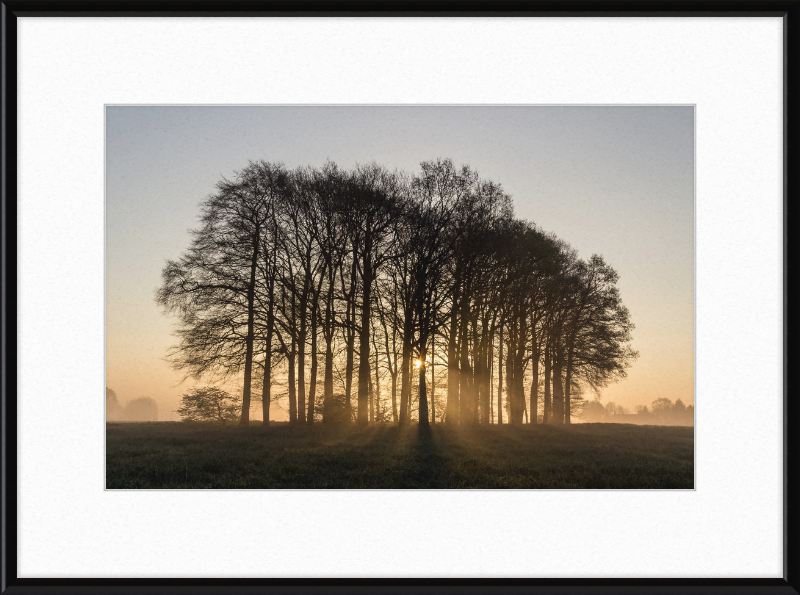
(789, 10)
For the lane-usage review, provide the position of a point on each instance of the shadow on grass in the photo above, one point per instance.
(428, 467)
(283, 456)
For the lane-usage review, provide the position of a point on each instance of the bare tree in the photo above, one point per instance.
(212, 287)
(376, 196)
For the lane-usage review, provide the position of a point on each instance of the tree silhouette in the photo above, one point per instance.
(209, 404)
(387, 278)
(212, 287)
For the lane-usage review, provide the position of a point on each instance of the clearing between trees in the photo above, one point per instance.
(382, 456)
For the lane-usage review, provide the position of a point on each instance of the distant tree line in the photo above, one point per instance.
(140, 409)
(408, 297)
(662, 411)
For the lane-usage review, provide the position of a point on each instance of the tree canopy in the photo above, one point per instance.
(209, 404)
(416, 297)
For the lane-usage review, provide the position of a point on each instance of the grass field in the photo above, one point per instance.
(182, 455)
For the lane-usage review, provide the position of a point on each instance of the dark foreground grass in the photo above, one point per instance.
(182, 455)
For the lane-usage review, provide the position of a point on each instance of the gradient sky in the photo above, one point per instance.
(616, 181)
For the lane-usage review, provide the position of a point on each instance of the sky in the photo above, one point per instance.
(614, 181)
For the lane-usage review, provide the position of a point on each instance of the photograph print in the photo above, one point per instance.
(399, 297)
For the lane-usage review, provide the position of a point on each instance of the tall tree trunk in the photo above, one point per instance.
(476, 366)
(327, 388)
(391, 364)
(520, 394)
(487, 342)
(312, 389)
(327, 385)
(567, 386)
(423, 392)
(558, 387)
(394, 396)
(491, 379)
(510, 384)
(547, 371)
(370, 395)
(433, 379)
(363, 339)
(350, 330)
(517, 353)
(477, 369)
(519, 372)
(410, 389)
(301, 355)
(266, 389)
(244, 420)
(377, 407)
(453, 406)
(535, 372)
(465, 374)
(290, 360)
(500, 380)
(405, 367)
(424, 415)
(405, 385)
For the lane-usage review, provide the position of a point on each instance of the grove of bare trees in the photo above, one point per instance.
(409, 297)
